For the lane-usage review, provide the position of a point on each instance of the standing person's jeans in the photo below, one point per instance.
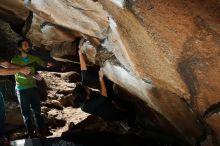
(2, 115)
(30, 99)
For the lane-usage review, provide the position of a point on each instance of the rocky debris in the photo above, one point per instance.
(60, 120)
(57, 82)
(49, 104)
(60, 115)
(54, 119)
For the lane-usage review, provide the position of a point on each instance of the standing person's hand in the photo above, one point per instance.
(25, 70)
(50, 64)
(38, 77)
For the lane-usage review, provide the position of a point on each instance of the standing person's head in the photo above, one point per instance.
(81, 94)
(23, 46)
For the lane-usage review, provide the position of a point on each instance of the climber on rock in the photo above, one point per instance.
(95, 103)
(27, 92)
(8, 69)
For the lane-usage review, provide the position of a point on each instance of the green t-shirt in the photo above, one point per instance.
(26, 81)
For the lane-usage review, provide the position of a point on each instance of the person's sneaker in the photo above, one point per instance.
(4, 141)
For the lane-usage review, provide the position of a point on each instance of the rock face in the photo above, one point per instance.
(164, 52)
(47, 35)
(8, 41)
(13, 11)
(76, 14)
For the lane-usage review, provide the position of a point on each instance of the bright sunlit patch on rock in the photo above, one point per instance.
(119, 3)
(132, 83)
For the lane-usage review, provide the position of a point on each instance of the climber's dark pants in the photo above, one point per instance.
(30, 99)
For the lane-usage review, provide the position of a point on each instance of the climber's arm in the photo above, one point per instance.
(82, 60)
(103, 89)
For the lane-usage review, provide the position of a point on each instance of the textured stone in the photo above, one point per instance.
(164, 52)
(65, 52)
(13, 11)
(136, 43)
(47, 35)
(8, 39)
(164, 102)
(85, 16)
(57, 82)
(213, 122)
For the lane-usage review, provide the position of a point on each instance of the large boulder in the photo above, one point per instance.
(86, 16)
(164, 52)
(47, 35)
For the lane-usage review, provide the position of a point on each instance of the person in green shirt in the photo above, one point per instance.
(7, 69)
(26, 89)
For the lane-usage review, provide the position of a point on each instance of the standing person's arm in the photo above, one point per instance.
(11, 69)
(43, 63)
(40, 62)
(7, 64)
(103, 89)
